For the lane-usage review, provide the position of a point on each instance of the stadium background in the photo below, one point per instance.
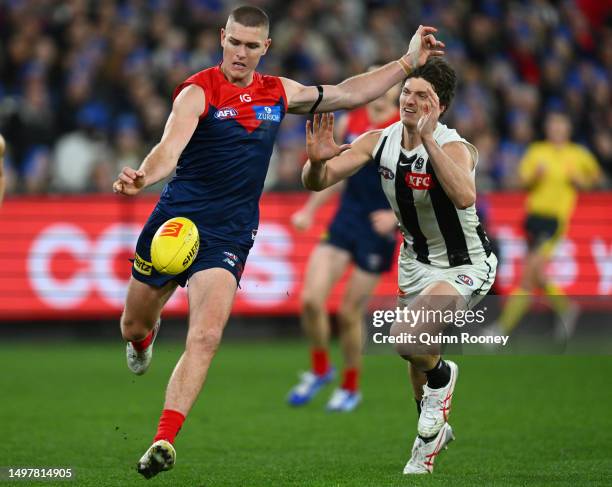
(85, 90)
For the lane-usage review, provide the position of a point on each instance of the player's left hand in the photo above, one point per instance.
(431, 113)
(320, 143)
(383, 221)
(422, 45)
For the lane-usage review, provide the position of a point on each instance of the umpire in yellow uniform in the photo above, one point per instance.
(552, 171)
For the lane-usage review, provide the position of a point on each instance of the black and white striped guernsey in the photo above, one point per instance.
(435, 231)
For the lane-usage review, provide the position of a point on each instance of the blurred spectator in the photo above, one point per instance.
(515, 61)
(2, 178)
(82, 158)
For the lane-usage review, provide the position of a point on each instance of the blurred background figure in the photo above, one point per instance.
(363, 234)
(552, 171)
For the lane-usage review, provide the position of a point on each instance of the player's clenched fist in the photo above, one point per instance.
(129, 182)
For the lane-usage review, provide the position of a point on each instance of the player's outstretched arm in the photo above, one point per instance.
(329, 163)
(161, 161)
(361, 89)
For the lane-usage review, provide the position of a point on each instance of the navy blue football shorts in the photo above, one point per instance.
(369, 250)
(213, 253)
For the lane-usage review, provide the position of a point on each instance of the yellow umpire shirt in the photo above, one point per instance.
(554, 193)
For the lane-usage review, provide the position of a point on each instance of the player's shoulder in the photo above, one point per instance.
(369, 140)
(539, 146)
(267, 80)
(359, 113)
(579, 149)
(205, 79)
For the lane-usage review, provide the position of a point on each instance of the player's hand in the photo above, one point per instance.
(302, 220)
(129, 182)
(431, 113)
(422, 45)
(320, 143)
(384, 222)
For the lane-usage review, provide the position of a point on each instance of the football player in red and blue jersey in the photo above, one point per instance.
(219, 138)
(362, 232)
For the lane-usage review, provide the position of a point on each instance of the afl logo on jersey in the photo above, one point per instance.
(270, 114)
(227, 112)
(385, 172)
(417, 180)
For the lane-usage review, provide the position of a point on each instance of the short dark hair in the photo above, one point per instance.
(442, 77)
(250, 16)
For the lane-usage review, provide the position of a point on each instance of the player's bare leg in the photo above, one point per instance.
(140, 321)
(325, 267)
(440, 375)
(211, 296)
(418, 379)
(350, 320)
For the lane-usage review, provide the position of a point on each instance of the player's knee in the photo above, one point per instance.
(134, 329)
(349, 315)
(409, 340)
(312, 305)
(205, 341)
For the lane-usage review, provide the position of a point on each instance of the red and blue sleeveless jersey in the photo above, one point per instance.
(363, 193)
(220, 173)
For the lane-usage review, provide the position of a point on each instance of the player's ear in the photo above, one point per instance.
(222, 37)
(267, 43)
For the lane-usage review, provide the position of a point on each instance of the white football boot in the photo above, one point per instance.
(160, 456)
(344, 401)
(424, 454)
(436, 405)
(139, 361)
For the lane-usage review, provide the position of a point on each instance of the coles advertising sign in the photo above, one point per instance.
(67, 257)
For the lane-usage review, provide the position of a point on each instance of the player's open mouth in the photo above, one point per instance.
(407, 110)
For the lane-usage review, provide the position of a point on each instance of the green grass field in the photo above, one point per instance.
(518, 420)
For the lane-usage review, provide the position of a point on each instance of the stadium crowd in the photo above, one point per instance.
(85, 86)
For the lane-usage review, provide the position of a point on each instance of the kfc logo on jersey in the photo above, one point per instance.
(416, 180)
(227, 112)
(245, 98)
(385, 172)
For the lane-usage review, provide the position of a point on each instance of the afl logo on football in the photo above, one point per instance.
(385, 172)
(224, 113)
(467, 280)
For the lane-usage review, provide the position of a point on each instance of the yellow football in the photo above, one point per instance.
(175, 246)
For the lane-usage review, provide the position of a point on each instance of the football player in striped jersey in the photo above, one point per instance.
(427, 172)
